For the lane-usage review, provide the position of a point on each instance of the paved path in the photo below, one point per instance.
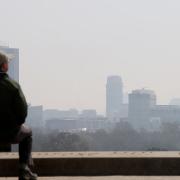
(106, 178)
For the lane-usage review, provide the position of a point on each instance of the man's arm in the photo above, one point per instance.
(20, 106)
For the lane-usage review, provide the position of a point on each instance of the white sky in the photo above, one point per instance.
(69, 47)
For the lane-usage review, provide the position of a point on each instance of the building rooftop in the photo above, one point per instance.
(144, 91)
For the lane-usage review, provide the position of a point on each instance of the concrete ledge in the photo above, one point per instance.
(103, 178)
(97, 163)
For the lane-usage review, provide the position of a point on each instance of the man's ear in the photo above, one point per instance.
(4, 67)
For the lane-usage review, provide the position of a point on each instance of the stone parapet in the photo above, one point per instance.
(97, 163)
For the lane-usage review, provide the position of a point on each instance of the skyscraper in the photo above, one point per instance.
(13, 53)
(114, 97)
(140, 104)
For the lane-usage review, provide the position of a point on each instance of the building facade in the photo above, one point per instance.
(166, 113)
(114, 97)
(140, 104)
(89, 113)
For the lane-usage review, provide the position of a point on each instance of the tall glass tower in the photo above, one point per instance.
(13, 53)
(114, 96)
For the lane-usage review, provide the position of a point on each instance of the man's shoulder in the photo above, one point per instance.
(12, 84)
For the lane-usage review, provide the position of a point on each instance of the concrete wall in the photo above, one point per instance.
(97, 163)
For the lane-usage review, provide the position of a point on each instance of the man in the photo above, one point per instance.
(13, 112)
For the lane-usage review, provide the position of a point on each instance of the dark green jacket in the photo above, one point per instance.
(13, 106)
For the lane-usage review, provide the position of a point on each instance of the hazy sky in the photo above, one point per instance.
(69, 47)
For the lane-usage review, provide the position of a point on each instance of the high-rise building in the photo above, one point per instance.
(140, 104)
(13, 53)
(114, 97)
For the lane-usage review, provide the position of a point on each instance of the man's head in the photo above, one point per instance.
(4, 62)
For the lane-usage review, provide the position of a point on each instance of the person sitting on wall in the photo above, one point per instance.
(13, 113)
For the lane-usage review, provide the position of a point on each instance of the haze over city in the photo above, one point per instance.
(68, 48)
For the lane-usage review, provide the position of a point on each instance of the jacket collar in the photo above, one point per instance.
(3, 75)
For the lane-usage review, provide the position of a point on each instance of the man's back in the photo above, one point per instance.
(13, 106)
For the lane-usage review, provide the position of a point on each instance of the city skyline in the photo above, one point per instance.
(115, 96)
(68, 50)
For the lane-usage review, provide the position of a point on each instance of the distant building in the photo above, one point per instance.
(140, 104)
(124, 111)
(89, 113)
(13, 53)
(175, 101)
(166, 113)
(59, 114)
(144, 113)
(126, 98)
(35, 116)
(78, 125)
(61, 125)
(114, 97)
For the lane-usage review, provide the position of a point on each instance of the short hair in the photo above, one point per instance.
(3, 59)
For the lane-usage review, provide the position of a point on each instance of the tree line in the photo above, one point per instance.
(122, 138)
